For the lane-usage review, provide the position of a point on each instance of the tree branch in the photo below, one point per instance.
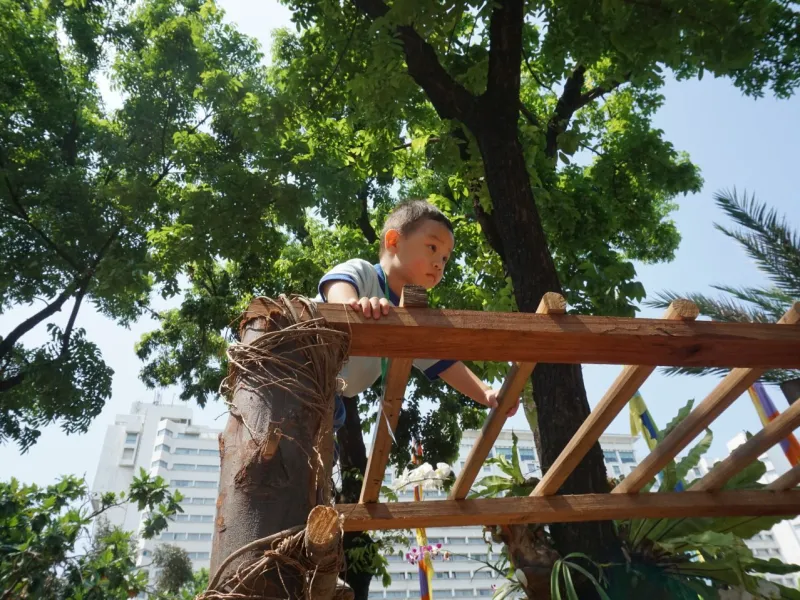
(363, 218)
(505, 53)
(450, 99)
(13, 381)
(7, 343)
(529, 116)
(23, 214)
(73, 315)
(566, 106)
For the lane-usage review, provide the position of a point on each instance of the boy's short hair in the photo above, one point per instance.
(409, 215)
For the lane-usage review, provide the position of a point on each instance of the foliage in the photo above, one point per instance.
(105, 204)
(772, 242)
(43, 529)
(511, 483)
(175, 568)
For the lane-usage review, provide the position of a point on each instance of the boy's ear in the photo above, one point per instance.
(391, 239)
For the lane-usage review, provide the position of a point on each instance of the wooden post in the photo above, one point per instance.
(397, 374)
(520, 373)
(276, 450)
(618, 395)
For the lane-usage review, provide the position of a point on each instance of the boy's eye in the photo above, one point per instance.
(432, 247)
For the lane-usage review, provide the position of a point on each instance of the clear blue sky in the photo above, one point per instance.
(736, 141)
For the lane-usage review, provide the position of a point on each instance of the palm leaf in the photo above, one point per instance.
(692, 459)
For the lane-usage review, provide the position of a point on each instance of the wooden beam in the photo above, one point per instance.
(561, 509)
(721, 397)
(618, 395)
(786, 481)
(525, 337)
(551, 304)
(397, 373)
(772, 433)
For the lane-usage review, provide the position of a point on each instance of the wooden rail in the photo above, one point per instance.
(519, 337)
(554, 337)
(561, 509)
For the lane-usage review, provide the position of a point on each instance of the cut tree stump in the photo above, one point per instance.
(276, 454)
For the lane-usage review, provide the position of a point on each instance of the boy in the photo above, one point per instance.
(416, 243)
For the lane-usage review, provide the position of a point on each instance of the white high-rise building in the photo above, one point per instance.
(163, 441)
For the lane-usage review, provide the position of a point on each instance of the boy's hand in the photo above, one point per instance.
(371, 307)
(491, 401)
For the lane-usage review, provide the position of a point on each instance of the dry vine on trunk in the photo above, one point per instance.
(276, 533)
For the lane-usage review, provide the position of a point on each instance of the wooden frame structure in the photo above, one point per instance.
(552, 336)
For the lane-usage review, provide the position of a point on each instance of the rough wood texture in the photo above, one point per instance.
(519, 374)
(525, 337)
(267, 483)
(772, 433)
(323, 540)
(786, 481)
(397, 374)
(721, 397)
(615, 399)
(561, 508)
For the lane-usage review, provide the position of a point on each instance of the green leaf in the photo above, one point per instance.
(692, 459)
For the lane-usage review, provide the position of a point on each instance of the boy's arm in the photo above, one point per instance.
(341, 292)
(460, 378)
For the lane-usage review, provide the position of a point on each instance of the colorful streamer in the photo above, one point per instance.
(642, 423)
(426, 564)
(767, 412)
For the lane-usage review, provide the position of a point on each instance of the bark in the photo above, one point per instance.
(530, 552)
(322, 540)
(267, 481)
(558, 390)
(353, 460)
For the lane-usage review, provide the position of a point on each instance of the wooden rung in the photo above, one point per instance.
(551, 304)
(618, 395)
(525, 337)
(397, 373)
(772, 433)
(560, 509)
(786, 481)
(721, 397)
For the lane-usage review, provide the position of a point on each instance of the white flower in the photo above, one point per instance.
(424, 476)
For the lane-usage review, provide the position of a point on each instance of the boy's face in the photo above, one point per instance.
(422, 255)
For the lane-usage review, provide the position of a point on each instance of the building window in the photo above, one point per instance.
(483, 574)
(696, 472)
(626, 456)
(461, 575)
(482, 557)
(198, 537)
(127, 453)
(165, 432)
(210, 468)
(146, 553)
(387, 478)
(198, 555)
(485, 593)
(159, 463)
(205, 484)
(208, 452)
(182, 467)
(185, 451)
(526, 454)
(181, 518)
(375, 596)
(161, 448)
(487, 468)
(463, 593)
(532, 467)
(617, 470)
(188, 436)
(131, 438)
(395, 594)
(180, 483)
(442, 574)
(610, 455)
(504, 451)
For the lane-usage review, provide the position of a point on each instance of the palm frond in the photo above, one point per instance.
(720, 309)
(767, 237)
(773, 376)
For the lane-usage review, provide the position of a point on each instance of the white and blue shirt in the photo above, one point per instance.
(360, 372)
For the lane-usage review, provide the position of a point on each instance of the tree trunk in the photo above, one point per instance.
(558, 390)
(353, 461)
(276, 450)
